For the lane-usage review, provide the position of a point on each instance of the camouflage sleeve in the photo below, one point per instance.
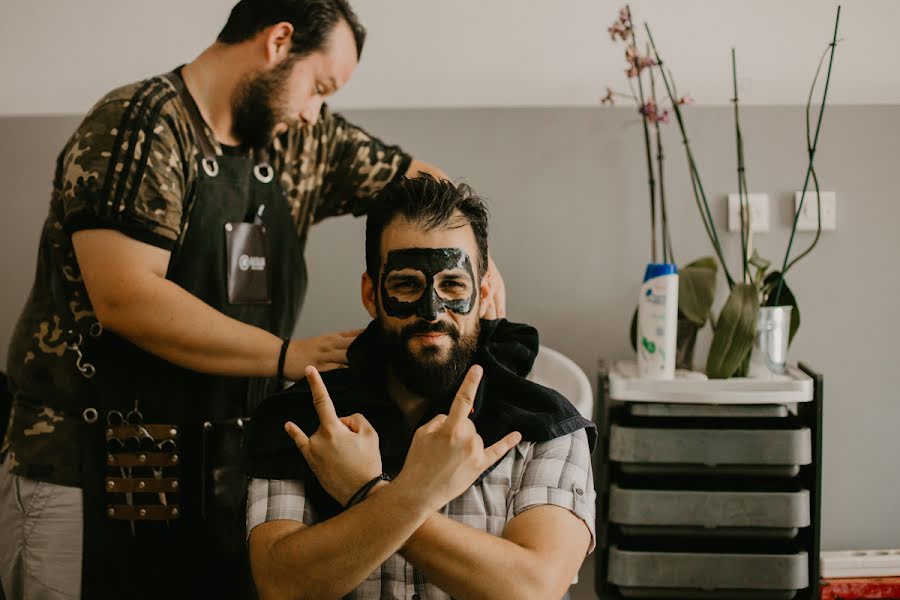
(359, 166)
(125, 167)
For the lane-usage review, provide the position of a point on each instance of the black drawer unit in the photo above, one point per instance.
(708, 489)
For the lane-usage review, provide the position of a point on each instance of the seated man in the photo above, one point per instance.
(447, 473)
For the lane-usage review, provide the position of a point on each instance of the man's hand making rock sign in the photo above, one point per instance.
(447, 454)
(343, 452)
(445, 458)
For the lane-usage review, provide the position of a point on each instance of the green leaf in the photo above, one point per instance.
(687, 339)
(696, 292)
(735, 329)
(759, 262)
(761, 265)
(697, 289)
(707, 262)
(787, 299)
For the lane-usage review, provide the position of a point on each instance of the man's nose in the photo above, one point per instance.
(430, 306)
(310, 114)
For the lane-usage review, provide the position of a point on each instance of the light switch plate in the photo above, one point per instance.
(809, 217)
(759, 212)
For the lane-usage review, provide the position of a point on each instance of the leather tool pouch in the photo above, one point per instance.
(142, 480)
(224, 485)
(248, 275)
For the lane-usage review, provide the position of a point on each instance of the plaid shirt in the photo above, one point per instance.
(557, 472)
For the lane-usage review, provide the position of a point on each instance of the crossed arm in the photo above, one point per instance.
(537, 555)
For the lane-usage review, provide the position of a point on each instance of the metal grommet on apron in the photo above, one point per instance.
(264, 172)
(210, 165)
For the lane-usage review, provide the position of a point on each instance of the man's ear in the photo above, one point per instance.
(368, 295)
(278, 41)
(485, 299)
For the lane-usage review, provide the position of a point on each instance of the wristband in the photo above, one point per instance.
(362, 492)
(281, 357)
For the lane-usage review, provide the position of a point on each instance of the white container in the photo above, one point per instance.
(657, 326)
(838, 564)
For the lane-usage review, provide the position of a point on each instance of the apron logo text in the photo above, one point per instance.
(255, 263)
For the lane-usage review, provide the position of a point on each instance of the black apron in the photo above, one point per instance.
(246, 262)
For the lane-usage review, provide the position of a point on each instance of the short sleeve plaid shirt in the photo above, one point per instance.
(557, 472)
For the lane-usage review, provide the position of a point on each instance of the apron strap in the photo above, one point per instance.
(196, 119)
(262, 169)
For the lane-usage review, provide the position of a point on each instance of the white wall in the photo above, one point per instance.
(58, 57)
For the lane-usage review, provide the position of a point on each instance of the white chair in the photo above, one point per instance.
(555, 370)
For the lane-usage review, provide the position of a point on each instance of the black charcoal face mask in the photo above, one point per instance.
(422, 266)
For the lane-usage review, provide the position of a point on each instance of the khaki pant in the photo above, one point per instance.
(41, 533)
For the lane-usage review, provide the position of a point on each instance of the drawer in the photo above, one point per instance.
(663, 450)
(718, 411)
(709, 513)
(659, 574)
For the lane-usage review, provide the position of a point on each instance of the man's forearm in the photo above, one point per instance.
(330, 559)
(164, 319)
(468, 563)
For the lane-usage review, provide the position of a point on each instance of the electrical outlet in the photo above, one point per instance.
(809, 214)
(758, 205)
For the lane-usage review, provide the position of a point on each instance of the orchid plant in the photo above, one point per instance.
(736, 325)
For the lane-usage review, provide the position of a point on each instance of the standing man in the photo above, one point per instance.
(170, 275)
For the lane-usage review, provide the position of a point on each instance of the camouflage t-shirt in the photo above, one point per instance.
(128, 167)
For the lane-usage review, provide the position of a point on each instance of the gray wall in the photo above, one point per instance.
(567, 192)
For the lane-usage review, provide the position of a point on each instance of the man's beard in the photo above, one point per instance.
(256, 107)
(424, 373)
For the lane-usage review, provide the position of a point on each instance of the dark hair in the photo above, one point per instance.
(313, 20)
(429, 203)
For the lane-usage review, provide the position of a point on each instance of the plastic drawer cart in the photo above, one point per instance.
(708, 488)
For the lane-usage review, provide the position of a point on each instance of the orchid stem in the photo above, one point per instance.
(742, 190)
(812, 154)
(696, 183)
(643, 112)
(668, 252)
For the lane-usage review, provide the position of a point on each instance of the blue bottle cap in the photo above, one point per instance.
(658, 270)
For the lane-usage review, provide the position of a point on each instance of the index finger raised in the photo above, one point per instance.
(465, 397)
(321, 399)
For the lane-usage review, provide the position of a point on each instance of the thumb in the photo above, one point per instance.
(500, 448)
(300, 439)
(356, 423)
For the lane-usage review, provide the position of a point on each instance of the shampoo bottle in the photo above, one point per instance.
(657, 328)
